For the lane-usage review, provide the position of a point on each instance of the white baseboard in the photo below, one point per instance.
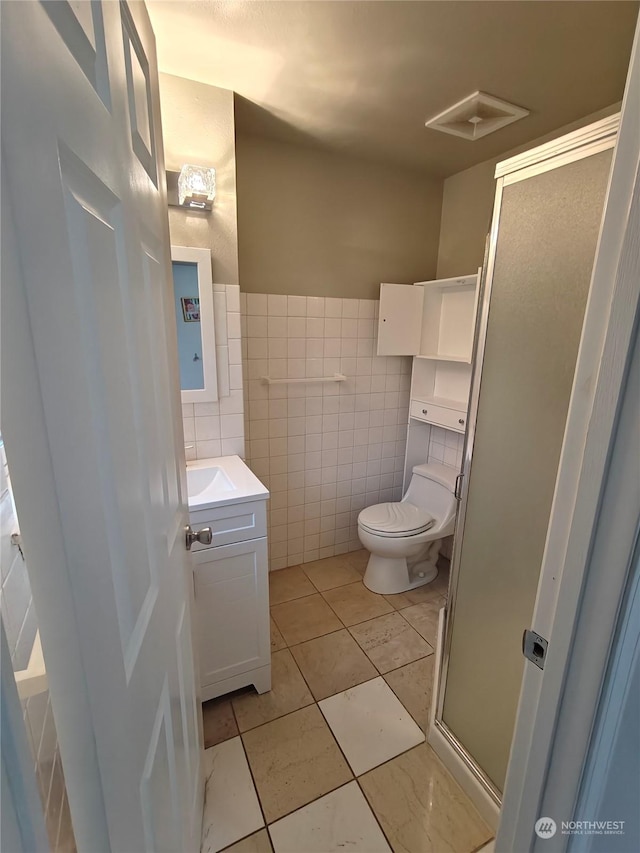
(452, 760)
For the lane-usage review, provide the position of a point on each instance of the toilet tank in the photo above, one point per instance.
(432, 488)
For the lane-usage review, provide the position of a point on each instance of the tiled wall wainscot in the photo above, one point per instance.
(217, 429)
(325, 450)
(445, 447)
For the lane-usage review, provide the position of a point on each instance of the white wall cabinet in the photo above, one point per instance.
(433, 321)
(232, 602)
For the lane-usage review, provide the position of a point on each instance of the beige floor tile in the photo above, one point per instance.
(277, 640)
(424, 618)
(421, 808)
(441, 583)
(288, 693)
(428, 592)
(218, 721)
(332, 663)
(294, 760)
(256, 843)
(288, 584)
(358, 560)
(413, 686)
(305, 619)
(355, 603)
(332, 572)
(390, 642)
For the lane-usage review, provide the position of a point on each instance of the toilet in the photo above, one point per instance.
(404, 537)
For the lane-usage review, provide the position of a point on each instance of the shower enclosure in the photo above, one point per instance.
(536, 276)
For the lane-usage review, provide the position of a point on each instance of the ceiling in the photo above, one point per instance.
(363, 77)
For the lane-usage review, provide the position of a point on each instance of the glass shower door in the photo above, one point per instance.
(546, 241)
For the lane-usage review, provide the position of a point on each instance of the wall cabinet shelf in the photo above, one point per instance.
(433, 321)
(435, 357)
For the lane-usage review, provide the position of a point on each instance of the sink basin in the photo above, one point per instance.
(200, 480)
(221, 481)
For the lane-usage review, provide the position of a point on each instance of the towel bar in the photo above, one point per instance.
(337, 377)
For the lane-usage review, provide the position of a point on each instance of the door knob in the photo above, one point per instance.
(203, 536)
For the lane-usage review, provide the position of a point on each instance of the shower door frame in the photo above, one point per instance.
(585, 142)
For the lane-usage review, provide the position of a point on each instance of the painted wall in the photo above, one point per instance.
(314, 223)
(198, 127)
(467, 205)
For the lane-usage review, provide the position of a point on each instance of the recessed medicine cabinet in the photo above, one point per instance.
(193, 297)
(433, 321)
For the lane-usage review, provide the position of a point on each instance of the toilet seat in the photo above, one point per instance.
(395, 519)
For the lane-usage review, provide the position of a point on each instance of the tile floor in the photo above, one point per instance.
(334, 756)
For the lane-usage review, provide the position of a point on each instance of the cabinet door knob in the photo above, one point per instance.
(424, 411)
(461, 421)
(203, 536)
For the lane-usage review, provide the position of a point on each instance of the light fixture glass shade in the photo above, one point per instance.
(197, 187)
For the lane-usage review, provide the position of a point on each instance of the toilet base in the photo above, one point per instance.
(391, 575)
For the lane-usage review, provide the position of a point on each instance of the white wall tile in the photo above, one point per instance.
(257, 304)
(296, 306)
(276, 305)
(322, 447)
(208, 449)
(207, 428)
(233, 446)
(233, 297)
(350, 307)
(315, 306)
(333, 307)
(233, 324)
(222, 369)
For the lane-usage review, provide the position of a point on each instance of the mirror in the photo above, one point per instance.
(193, 298)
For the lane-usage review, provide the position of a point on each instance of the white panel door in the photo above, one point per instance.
(400, 319)
(82, 155)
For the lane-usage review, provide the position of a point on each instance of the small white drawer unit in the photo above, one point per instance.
(441, 415)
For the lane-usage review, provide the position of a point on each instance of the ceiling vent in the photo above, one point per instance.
(476, 116)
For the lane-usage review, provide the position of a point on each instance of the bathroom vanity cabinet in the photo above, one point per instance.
(231, 585)
(433, 321)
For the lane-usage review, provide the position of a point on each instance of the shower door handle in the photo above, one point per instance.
(457, 492)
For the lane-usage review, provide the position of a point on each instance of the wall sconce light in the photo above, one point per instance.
(196, 187)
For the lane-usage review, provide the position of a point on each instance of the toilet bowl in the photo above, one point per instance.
(404, 537)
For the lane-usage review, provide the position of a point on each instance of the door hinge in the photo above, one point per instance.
(534, 648)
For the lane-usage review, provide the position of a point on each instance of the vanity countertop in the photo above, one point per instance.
(222, 481)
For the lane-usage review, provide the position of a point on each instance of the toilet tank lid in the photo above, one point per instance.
(442, 474)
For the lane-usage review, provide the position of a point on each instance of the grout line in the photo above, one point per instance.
(316, 703)
(373, 812)
(244, 837)
(483, 845)
(255, 786)
(400, 700)
(289, 600)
